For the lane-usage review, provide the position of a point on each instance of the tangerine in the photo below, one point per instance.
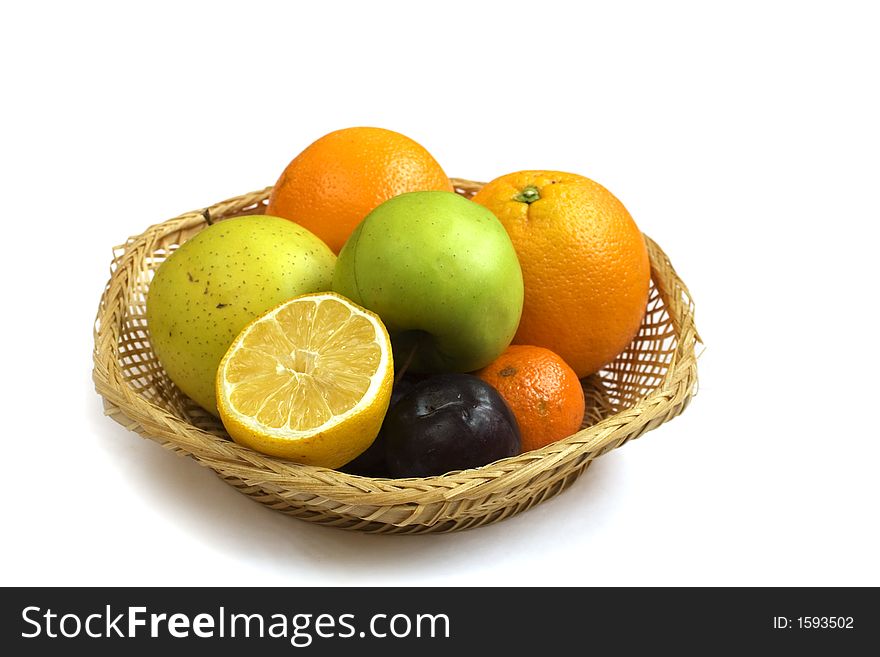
(543, 392)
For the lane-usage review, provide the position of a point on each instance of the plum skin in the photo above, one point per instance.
(449, 422)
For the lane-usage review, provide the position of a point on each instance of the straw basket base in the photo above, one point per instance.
(647, 385)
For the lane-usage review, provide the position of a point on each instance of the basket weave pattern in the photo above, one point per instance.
(647, 385)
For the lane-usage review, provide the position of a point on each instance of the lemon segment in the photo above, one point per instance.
(310, 381)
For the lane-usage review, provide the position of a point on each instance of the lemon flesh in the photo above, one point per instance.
(309, 381)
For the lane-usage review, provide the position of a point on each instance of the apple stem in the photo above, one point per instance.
(528, 195)
(206, 214)
(406, 363)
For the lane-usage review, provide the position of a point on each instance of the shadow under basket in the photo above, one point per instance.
(648, 384)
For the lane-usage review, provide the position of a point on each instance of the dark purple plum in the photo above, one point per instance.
(371, 463)
(448, 422)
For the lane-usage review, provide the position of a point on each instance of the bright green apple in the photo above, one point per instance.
(442, 274)
(218, 282)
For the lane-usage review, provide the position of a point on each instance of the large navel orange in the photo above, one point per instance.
(585, 266)
(339, 179)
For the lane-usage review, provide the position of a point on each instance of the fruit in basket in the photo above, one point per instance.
(309, 381)
(340, 178)
(584, 262)
(217, 282)
(543, 392)
(449, 422)
(442, 274)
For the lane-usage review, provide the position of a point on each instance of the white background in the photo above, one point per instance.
(744, 140)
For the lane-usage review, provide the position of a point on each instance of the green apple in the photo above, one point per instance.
(216, 283)
(441, 273)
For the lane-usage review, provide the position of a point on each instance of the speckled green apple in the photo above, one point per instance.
(442, 274)
(219, 281)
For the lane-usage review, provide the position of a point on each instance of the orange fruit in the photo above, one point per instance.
(339, 179)
(543, 392)
(584, 261)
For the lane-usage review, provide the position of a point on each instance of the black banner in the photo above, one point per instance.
(433, 621)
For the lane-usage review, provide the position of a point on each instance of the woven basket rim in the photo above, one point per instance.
(229, 459)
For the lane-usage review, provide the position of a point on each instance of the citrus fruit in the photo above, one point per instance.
(309, 381)
(543, 392)
(585, 266)
(339, 179)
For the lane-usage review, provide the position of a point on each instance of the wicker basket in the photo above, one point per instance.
(650, 383)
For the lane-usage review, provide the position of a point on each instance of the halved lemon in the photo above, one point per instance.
(310, 381)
